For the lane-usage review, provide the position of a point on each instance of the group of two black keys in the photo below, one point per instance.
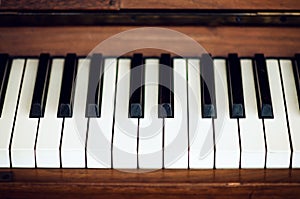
(137, 76)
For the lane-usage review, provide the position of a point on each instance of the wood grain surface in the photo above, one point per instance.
(148, 4)
(92, 183)
(212, 4)
(219, 41)
(59, 4)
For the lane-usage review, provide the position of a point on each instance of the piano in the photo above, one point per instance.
(172, 99)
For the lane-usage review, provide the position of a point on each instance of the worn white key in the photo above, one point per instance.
(226, 129)
(292, 108)
(75, 128)
(151, 127)
(100, 129)
(9, 107)
(125, 129)
(25, 130)
(251, 127)
(176, 129)
(277, 137)
(49, 132)
(200, 129)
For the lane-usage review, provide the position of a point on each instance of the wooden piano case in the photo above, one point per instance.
(29, 27)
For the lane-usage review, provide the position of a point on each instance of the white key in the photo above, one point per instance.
(25, 130)
(9, 107)
(277, 138)
(251, 127)
(200, 129)
(74, 131)
(226, 129)
(100, 129)
(292, 108)
(49, 133)
(125, 129)
(176, 129)
(151, 127)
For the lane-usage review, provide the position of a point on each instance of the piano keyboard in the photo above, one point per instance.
(149, 113)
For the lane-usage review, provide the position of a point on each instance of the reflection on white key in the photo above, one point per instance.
(200, 129)
(24, 135)
(49, 132)
(251, 127)
(74, 131)
(176, 130)
(226, 129)
(125, 129)
(100, 129)
(9, 107)
(277, 137)
(150, 128)
(292, 109)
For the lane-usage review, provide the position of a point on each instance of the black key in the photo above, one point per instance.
(208, 95)
(235, 87)
(65, 105)
(296, 69)
(136, 101)
(263, 95)
(41, 87)
(94, 96)
(5, 66)
(165, 95)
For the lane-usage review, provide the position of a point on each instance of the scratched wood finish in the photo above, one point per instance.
(212, 4)
(59, 5)
(219, 41)
(78, 183)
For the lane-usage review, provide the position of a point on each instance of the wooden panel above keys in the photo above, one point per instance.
(148, 4)
(212, 4)
(219, 41)
(59, 5)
